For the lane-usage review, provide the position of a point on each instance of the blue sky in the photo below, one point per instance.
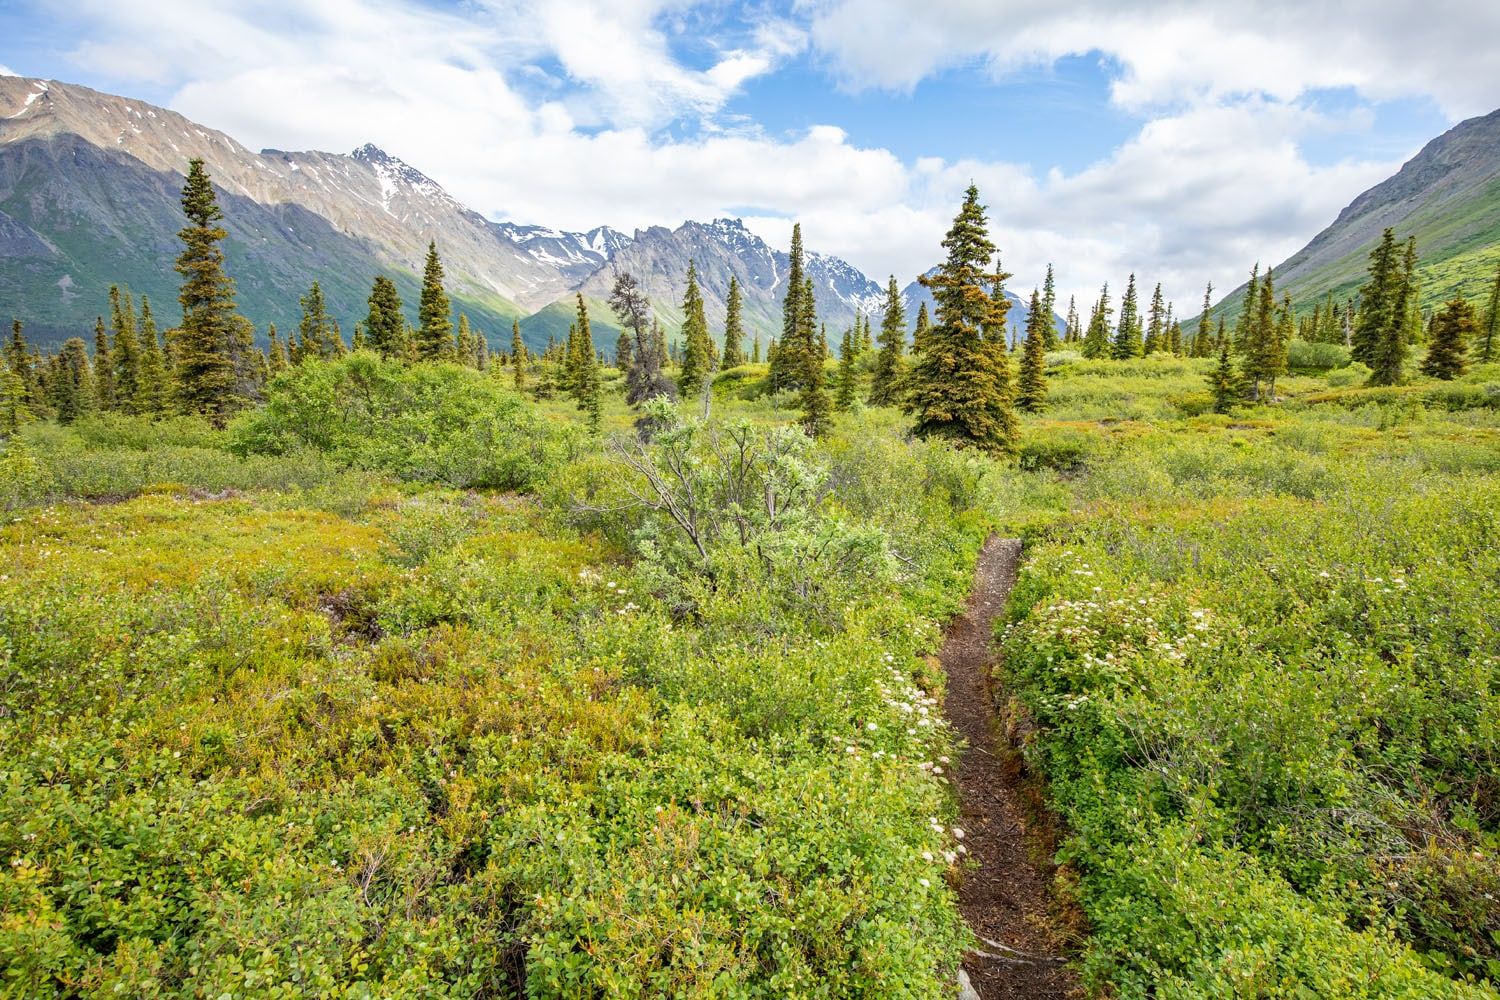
(1183, 141)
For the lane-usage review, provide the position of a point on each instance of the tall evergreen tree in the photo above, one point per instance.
(586, 372)
(847, 384)
(885, 382)
(1388, 348)
(316, 338)
(1452, 329)
(468, 343)
(1247, 314)
(623, 348)
(1378, 312)
(920, 331)
(1049, 308)
(276, 359)
(435, 314)
(385, 324)
(1096, 341)
(812, 399)
(734, 327)
(696, 362)
(517, 355)
(126, 352)
(1222, 380)
(18, 359)
(864, 341)
(155, 392)
(1127, 342)
(1490, 326)
(960, 382)
(1072, 330)
(1202, 342)
(14, 410)
(790, 365)
(104, 368)
(1156, 324)
(204, 347)
(1032, 384)
(755, 349)
(645, 379)
(73, 392)
(1259, 336)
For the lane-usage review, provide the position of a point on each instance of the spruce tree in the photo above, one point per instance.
(1096, 341)
(435, 314)
(755, 349)
(920, 331)
(203, 348)
(18, 359)
(74, 394)
(154, 393)
(864, 341)
(1127, 342)
(734, 328)
(1032, 385)
(1222, 380)
(623, 346)
(1202, 342)
(1072, 331)
(517, 355)
(468, 343)
(885, 382)
(1156, 324)
(315, 332)
(812, 400)
(789, 364)
(1452, 329)
(1247, 314)
(14, 410)
(1378, 311)
(1388, 348)
(960, 381)
(1491, 324)
(104, 369)
(585, 387)
(357, 342)
(126, 352)
(848, 374)
(276, 359)
(1049, 308)
(385, 324)
(695, 357)
(645, 379)
(1260, 336)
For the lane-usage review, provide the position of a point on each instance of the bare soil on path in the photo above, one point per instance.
(1006, 898)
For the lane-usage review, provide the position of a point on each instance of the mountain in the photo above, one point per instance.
(89, 185)
(89, 189)
(1448, 196)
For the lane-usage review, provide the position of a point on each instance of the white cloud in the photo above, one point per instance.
(1180, 51)
(7, 71)
(557, 111)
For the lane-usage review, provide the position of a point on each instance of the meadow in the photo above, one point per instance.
(402, 685)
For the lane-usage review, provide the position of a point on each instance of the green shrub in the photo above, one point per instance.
(1314, 356)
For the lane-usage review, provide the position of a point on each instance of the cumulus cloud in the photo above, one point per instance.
(575, 113)
(7, 71)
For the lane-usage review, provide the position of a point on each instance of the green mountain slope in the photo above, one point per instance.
(1447, 196)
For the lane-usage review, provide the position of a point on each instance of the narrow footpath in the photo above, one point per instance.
(1006, 899)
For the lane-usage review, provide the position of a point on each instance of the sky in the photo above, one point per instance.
(1182, 141)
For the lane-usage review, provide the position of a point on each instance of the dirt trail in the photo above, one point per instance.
(1006, 900)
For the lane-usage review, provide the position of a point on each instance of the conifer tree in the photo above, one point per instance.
(357, 342)
(315, 337)
(1387, 346)
(18, 359)
(885, 382)
(1247, 314)
(468, 343)
(1156, 326)
(585, 387)
(435, 314)
(154, 392)
(1032, 384)
(790, 364)
(1072, 332)
(960, 382)
(812, 349)
(1049, 309)
(204, 345)
(126, 352)
(920, 331)
(734, 327)
(1222, 380)
(1127, 342)
(755, 350)
(1378, 311)
(1491, 323)
(865, 342)
(1452, 329)
(1202, 342)
(848, 375)
(104, 369)
(73, 392)
(1260, 335)
(14, 410)
(385, 324)
(695, 356)
(276, 360)
(517, 355)
(1096, 341)
(623, 347)
(644, 380)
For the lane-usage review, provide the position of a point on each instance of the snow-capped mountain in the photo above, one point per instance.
(575, 254)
